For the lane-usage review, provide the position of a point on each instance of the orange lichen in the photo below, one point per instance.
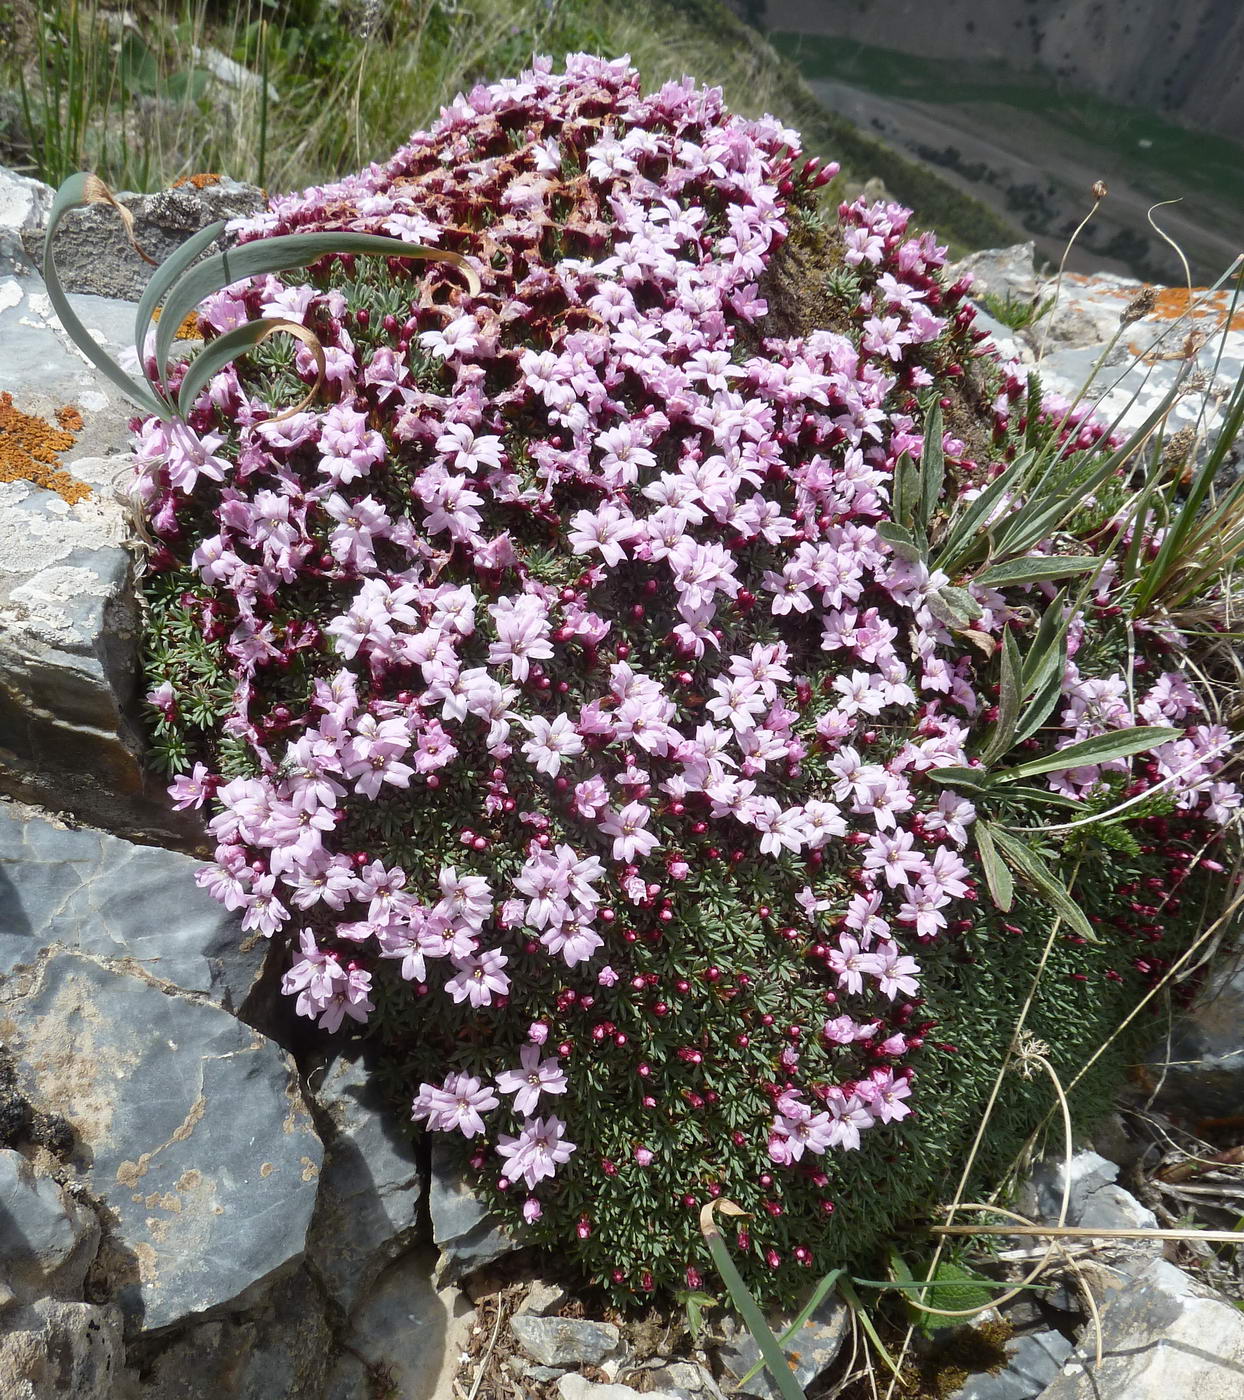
(30, 449)
(200, 182)
(191, 327)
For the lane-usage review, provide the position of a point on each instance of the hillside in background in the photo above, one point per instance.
(1025, 106)
(297, 94)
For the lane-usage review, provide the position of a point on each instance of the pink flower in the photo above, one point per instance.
(535, 1077)
(631, 841)
(537, 1152)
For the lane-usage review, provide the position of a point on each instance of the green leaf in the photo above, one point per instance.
(997, 876)
(1119, 743)
(1025, 862)
(963, 531)
(1010, 697)
(291, 250)
(79, 189)
(1035, 570)
(955, 607)
(901, 541)
(966, 1290)
(225, 349)
(1043, 655)
(932, 466)
(162, 280)
(746, 1305)
(969, 779)
(906, 489)
(819, 1294)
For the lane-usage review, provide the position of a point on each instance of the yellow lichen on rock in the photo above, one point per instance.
(30, 449)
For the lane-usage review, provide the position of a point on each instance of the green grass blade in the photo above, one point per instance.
(745, 1304)
(819, 1294)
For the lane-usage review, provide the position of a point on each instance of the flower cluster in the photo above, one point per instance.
(578, 717)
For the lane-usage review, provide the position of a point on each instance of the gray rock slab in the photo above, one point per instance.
(24, 204)
(47, 1239)
(191, 1133)
(280, 1348)
(1034, 1361)
(1094, 1198)
(98, 894)
(468, 1236)
(1164, 1336)
(564, 1341)
(685, 1380)
(94, 255)
(810, 1351)
(403, 1329)
(371, 1186)
(60, 1351)
(1002, 272)
(575, 1387)
(1201, 1068)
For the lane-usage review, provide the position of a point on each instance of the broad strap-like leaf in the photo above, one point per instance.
(1102, 748)
(226, 348)
(287, 251)
(746, 1306)
(161, 283)
(76, 190)
(1036, 569)
(1025, 862)
(963, 531)
(997, 876)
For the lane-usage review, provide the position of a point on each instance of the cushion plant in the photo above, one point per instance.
(672, 694)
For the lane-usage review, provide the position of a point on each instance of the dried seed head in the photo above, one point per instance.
(1178, 448)
(1099, 189)
(1140, 305)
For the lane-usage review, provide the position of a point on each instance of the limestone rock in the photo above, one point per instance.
(1033, 1362)
(1094, 1198)
(60, 1351)
(93, 254)
(685, 1380)
(580, 1388)
(191, 1133)
(24, 204)
(405, 1330)
(469, 1237)
(564, 1341)
(1001, 272)
(98, 894)
(1202, 1067)
(1163, 1335)
(279, 1348)
(68, 611)
(541, 1298)
(47, 1239)
(371, 1187)
(810, 1351)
